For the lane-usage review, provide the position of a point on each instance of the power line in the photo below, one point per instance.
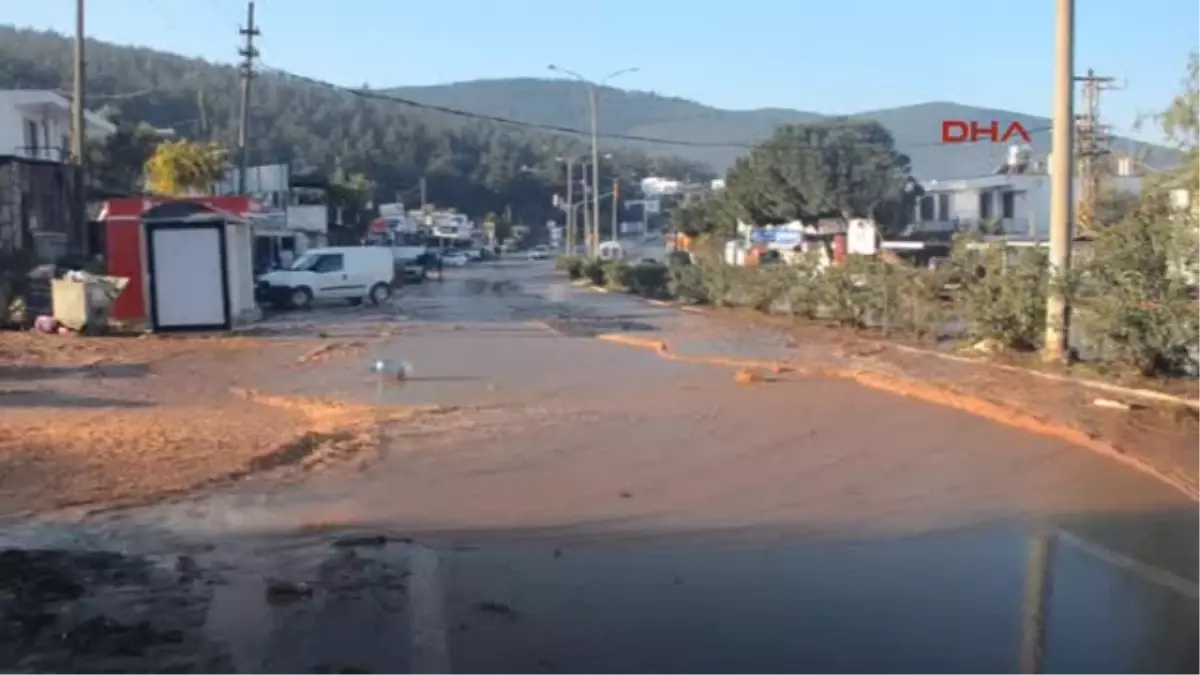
(535, 126)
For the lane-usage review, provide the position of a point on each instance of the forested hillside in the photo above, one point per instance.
(476, 167)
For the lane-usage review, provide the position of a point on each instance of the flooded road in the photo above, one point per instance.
(608, 510)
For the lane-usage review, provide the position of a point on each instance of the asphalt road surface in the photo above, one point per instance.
(612, 511)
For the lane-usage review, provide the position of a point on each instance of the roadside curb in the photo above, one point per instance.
(945, 397)
(1097, 385)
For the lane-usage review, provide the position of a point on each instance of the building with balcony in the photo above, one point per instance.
(39, 212)
(1016, 204)
(36, 124)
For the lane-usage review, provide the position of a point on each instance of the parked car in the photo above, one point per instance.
(454, 259)
(347, 273)
(539, 253)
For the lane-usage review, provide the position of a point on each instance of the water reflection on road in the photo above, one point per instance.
(637, 583)
(948, 603)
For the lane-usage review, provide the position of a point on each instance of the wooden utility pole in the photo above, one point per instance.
(1092, 138)
(1058, 312)
(248, 54)
(79, 131)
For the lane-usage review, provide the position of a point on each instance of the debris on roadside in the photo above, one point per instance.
(396, 370)
(497, 608)
(287, 592)
(1113, 405)
(371, 540)
(746, 376)
(329, 350)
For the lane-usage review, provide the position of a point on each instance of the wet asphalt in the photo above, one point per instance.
(743, 533)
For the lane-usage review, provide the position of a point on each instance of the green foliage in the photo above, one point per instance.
(839, 168)
(650, 280)
(1135, 298)
(475, 167)
(593, 271)
(712, 215)
(1001, 293)
(571, 264)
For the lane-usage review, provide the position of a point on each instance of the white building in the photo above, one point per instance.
(1019, 203)
(36, 124)
(299, 226)
(655, 186)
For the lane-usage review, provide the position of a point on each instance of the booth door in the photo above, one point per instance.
(189, 287)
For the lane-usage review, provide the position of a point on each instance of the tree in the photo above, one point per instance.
(179, 168)
(118, 161)
(351, 196)
(475, 167)
(840, 168)
(711, 215)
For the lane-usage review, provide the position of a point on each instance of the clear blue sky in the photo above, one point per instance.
(831, 56)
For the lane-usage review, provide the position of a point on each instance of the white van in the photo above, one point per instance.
(348, 273)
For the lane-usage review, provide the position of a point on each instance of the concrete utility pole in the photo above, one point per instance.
(593, 95)
(1093, 139)
(248, 54)
(585, 190)
(79, 131)
(616, 208)
(1058, 312)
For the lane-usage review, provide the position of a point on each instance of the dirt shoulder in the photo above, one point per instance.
(115, 421)
(1160, 436)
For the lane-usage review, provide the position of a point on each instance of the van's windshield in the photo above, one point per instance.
(305, 262)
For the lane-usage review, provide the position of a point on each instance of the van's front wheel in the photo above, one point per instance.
(380, 293)
(300, 298)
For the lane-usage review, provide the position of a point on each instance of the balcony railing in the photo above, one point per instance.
(50, 153)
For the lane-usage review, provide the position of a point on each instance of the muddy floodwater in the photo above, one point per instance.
(602, 509)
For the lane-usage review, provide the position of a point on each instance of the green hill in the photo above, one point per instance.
(316, 127)
(917, 128)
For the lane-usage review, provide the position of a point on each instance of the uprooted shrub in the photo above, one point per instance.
(1135, 300)
(1001, 292)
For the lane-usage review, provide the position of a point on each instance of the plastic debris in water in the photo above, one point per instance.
(399, 370)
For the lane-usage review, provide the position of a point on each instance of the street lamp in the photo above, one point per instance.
(593, 89)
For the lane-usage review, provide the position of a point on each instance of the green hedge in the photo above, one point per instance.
(1134, 293)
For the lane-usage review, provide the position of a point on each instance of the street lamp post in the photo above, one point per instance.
(593, 95)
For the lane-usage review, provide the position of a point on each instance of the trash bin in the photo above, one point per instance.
(83, 302)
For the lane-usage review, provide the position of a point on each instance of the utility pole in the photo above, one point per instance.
(248, 54)
(585, 189)
(424, 194)
(1058, 312)
(616, 207)
(593, 92)
(79, 131)
(570, 210)
(592, 96)
(1093, 139)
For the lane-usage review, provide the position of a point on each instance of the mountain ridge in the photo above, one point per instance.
(691, 129)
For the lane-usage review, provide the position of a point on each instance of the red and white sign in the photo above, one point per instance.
(963, 131)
